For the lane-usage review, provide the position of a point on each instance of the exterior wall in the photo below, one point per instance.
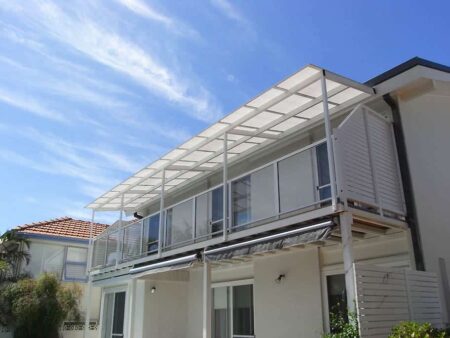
(295, 307)
(425, 120)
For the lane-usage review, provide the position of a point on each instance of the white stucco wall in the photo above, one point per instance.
(426, 122)
(291, 308)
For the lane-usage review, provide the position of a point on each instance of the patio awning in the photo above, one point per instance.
(304, 235)
(289, 106)
(184, 262)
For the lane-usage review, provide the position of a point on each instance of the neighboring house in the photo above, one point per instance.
(336, 193)
(60, 246)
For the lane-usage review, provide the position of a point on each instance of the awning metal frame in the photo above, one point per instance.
(226, 128)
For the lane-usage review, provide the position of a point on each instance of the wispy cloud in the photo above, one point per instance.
(147, 11)
(107, 47)
(229, 10)
(30, 105)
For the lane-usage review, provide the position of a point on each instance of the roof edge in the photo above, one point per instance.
(403, 67)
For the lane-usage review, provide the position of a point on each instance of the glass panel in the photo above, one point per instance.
(179, 223)
(107, 315)
(202, 216)
(151, 226)
(296, 181)
(209, 213)
(243, 310)
(241, 200)
(119, 311)
(220, 312)
(323, 171)
(253, 197)
(132, 240)
(337, 298)
(98, 257)
(111, 253)
(77, 254)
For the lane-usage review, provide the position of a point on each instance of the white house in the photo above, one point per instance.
(336, 196)
(60, 246)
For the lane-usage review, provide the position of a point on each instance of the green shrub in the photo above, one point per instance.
(37, 308)
(343, 325)
(416, 330)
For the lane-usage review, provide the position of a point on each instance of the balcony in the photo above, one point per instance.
(296, 183)
(289, 185)
(353, 165)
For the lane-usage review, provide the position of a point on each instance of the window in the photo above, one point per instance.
(209, 213)
(179, 226)
(253, 196)
(337, 297)
(113, 314)
(76, 263)
(151, 226)
(233, 311)
(323, 172)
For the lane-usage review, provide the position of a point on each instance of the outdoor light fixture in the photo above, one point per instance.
(280, 278)
(153, 290)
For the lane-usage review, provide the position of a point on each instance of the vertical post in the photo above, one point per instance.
(225, 186)
(131, 307)
(206, 299)
(346, 220)
(119, 232)
(89, 288)
(161, 213)
(330, 150)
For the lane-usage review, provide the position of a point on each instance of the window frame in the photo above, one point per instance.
(230, 285)
(66, 261)
(113, 290)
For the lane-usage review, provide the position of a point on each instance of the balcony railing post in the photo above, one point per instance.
(225, 186)
(330, 150)
(161, 212)
(119, 237)
(89, 266)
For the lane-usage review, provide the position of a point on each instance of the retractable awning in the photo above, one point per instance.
(289, 106)
(304, 235)
(164, 266)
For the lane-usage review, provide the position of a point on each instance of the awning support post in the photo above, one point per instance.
(206, 299)
(119, 232)
(346, 220)
(89, 288)
(225, 186)
(161, 213)
(330, 148)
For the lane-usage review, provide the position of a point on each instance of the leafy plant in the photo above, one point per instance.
(43, 303)
(416, 330)
(343, 324)
(13, 251)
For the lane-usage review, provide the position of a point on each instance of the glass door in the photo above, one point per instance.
(233, 312)
(113, 315)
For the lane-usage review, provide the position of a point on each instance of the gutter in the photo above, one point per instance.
(411, 211)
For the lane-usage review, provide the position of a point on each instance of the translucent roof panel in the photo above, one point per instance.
(282, 109)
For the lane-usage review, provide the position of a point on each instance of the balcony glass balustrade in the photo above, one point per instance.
(295, 182)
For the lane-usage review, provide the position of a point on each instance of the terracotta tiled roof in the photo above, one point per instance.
(63, 227)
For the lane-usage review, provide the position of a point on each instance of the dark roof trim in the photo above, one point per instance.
(54, 238)
(416, 61)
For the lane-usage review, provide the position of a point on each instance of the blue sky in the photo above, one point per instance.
(91, 91)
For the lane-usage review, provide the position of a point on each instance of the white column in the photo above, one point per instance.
(206, 299)
(120, 233)
(225, 186)
(161, 213)
(346, 221)
(87, 304)
(131, 307)
(330, 149)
